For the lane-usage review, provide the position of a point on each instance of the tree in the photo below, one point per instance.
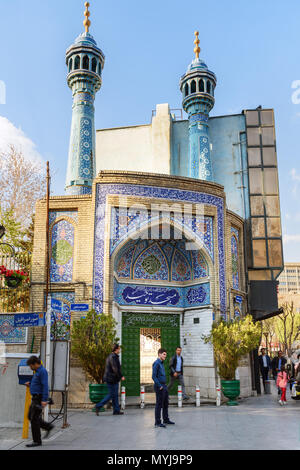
(231, 340)
(269, 331)
(22, 184)
(92, 338)
(288, 327)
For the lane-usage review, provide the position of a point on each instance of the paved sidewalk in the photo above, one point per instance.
(257, 423)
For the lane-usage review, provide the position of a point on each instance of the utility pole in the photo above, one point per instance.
(48, 296)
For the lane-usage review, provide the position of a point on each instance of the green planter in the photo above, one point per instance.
(13, 281)
(97, 392)
(231, 390)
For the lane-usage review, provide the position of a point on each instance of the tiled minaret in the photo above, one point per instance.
(85, 63)
(197, 87)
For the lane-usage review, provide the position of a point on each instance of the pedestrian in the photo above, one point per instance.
(40, 394)
(112, 377)
(281, 382)
(176, 372)
(276, 364)
(161, 390)
(264, 365)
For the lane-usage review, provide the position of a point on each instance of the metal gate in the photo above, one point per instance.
(18, 299)
(132, 324)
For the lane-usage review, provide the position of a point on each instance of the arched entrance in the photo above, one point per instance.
(156, 280)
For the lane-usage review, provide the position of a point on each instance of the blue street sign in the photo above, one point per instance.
(56, 305)
(79, 307)
(29, 319)
(238, 299)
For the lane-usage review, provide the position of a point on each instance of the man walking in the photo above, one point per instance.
(176, 372)
(276, 364)
(161, 390)
(39, 392)
(112, 377)
(264, 365)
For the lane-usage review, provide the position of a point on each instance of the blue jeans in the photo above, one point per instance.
(162, 403)
(113, 395)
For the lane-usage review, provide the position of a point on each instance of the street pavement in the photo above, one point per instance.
(258, 423)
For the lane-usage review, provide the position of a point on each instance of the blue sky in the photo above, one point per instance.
(253, 47)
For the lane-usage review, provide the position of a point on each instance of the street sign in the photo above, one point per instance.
(56, 305)
(238, 299)
(79, 307)
(29, 319)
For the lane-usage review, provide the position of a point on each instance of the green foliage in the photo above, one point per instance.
(14, 234)
(92, 339)
(231, 341)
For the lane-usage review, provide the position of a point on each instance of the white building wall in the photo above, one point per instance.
(199, 368)
(139, 148)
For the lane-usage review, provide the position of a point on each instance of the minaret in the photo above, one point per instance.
(85, 63)
(197, 87)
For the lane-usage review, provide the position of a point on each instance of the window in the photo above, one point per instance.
(70, 64)
(186, 89)
(193, 86)
(85, 63)
(94, 65)
(208, 87)
(201, 85)
(77, 62)
(99, 69)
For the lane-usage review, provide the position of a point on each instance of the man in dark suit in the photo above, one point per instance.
(276, 364)
(264, 365)
(176, 371)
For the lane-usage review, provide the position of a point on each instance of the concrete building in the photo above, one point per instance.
(289, 285)
(168, 225)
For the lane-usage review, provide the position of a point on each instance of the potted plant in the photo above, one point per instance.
(92, 338)
(12, 277)
(231, 341)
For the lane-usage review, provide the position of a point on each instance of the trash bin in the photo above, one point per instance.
(268, 387)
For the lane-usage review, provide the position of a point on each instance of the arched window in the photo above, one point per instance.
(99, 69)
(85, 63)
(201, 85)
(208, 86)
(70, 64)
(186, 89)
(193, 86)
(77, 62)
(94, 65)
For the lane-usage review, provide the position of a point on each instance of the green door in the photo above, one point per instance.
(131, 328)
(131, 360)
(170, 339)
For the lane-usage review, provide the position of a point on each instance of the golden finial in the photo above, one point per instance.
(87, 22)
(197, 42)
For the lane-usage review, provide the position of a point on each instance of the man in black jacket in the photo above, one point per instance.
(264, 365)
(276, 364)
(176, 371)
(112, 377)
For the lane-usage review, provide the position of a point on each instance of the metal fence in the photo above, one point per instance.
(17, 299)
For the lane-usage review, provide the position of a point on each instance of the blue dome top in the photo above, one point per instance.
(85, 39)
(197, 64)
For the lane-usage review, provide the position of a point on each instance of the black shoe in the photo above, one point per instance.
(160, 425)
(98, 410)
(34, 444)
(47, 433)
(118, 413)
(169, 422)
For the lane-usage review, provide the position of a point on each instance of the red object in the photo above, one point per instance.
(283, 394)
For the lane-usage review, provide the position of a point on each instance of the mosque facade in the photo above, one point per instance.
(168, 226)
